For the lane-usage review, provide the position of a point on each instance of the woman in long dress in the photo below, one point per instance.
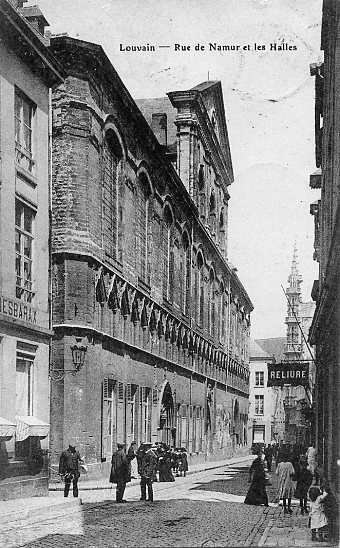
(257, 491)
(285, 471)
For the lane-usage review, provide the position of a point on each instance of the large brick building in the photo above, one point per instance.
(27, 72)
(325, 329)
(140, 271)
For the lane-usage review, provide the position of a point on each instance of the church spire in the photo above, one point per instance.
(294, 278)
(293, 292)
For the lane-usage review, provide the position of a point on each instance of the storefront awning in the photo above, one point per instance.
(7, 428)
(30, 426)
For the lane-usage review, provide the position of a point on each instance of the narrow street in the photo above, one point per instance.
(203, 509)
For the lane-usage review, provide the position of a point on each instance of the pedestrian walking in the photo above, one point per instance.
(257, 478)
(304, 480)
(285, 471)
(269, 456)
(312, 458)
(164, 465)
(120, 471)
(69, 468)
(147, 470)
(183, 468)
(317, 516)
(132, 457)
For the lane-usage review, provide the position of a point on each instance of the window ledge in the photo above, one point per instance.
(29, 177)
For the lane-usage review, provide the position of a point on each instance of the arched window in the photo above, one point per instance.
(112, 154)
(201, 177)
(199, 290)
(212, 213)
(222, 313)
(221, 220)
(211, 304)
(187, 273)
(168, 255)
(143, 195)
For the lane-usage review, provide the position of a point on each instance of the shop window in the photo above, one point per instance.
(24, 224)
(24, 385)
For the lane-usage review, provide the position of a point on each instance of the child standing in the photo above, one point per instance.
(318, 519)
(304, 481)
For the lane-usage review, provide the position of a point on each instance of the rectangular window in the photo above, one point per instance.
(24, 385)
(23, 122)
(145, 413)
(259, 378)
(109, 425)
(24, 222)
(259, 405)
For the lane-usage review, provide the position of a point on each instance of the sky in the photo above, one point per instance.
(269, 105)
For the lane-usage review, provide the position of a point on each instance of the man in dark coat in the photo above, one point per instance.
(69, 468)
(147, 469)
(120, 471)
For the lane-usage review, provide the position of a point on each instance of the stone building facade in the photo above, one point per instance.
(27, 72)
(140, 271)
(325, 330)
(266, 412)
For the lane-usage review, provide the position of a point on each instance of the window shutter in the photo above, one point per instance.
(184, 432)
(190, 429)
(137, 415)
(104, 418)
(154, 415)
(129, 395)
(149, 412)
(120, 414)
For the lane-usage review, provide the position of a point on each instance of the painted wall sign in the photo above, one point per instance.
(17, 309)
(293, 373)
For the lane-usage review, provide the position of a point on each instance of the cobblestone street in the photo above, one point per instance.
(203, 509)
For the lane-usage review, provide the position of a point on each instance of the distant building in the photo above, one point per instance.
(266, 412)
(298, 399)
(27, 72)
(140, 273)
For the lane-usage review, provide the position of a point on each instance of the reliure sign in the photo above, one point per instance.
(292, 373)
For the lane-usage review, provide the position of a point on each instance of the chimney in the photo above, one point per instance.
(35, 17)
(18, 3)
(159, 126)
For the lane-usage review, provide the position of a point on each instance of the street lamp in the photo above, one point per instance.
(78, 358)
(78, 354)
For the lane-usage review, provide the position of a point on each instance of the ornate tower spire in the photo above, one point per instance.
(293, 345)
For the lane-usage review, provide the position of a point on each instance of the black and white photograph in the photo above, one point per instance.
(169, 273)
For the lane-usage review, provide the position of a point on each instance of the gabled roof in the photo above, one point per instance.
(255, 351)
(273, 347)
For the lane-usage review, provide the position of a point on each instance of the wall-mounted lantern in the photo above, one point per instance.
(78, 354)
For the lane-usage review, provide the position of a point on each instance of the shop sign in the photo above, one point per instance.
(18, 310)
(290, 373)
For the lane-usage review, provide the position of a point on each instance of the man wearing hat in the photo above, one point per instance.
(120, 471)
(147, 469)
(69, 468)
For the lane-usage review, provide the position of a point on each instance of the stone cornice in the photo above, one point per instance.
(27, 45)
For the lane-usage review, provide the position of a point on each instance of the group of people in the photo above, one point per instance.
(151, 458)
(299, 475)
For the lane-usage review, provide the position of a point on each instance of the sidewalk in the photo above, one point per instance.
(289, 530)
(104, 483)
(38, 508)
(284, 529)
